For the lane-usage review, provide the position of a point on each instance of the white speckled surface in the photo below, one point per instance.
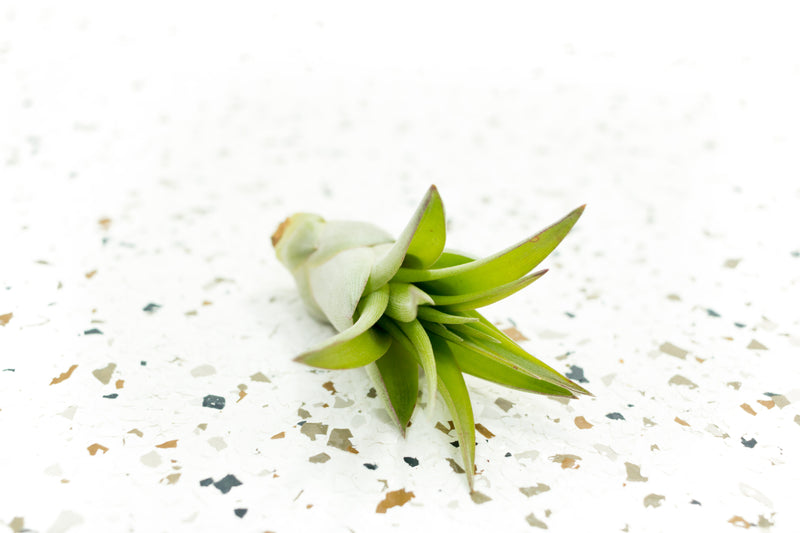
(148, 152)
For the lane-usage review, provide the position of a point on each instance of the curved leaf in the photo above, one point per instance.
(431, 314)
(358, 345)
(495, 270)
(510, 354)
(429, 237)
(456, 397)
(481, 366)
(404, 299)
(396, 379)
(337, 284)
(427, 219)
(462, 302)
(422, 345)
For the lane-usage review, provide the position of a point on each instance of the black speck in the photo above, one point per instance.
(104, 240)
(412, 461)
(143, 363)
(508, 454)
(615, 416)
(569, 314)
(795, 253)
(576, 374)
(240, 512)
(206, 482)
(695, 502)
(301, 422)
(749, 443)
(372, 393)
(630, 405)
(215, 402)
(111, 396)
(93, 331)
(227, 483)
(151, 308)
(371, 466)
(454, 444)
(9, 370)
(771, 394)
(739, 324)
(713, 313)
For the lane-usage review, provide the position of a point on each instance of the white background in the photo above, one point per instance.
(195, 128)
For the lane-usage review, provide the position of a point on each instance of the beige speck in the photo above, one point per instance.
(535, 522)
(682, 421)
(679, 380)
(514, 334)
(103, 375)
(634, 473)
(455, 466)
(17, 524)
(670, 349)
(151, 459)
(218, 443)
(328, 386)
(582, 423)
(105, 223)
(120, 383)
(534, 490)
(653, 500)
(747, 409)
(280, 435)
(755, 345)
(168, 444)
(258, 376)
(203, 371)
(566, 460)
(504, 404)
(5, 318)
(731, 263)
(136, 432)
(173, 478)
(479, 497)
(90, 275)
(319, 458)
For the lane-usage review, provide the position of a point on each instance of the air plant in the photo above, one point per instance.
(405, 303)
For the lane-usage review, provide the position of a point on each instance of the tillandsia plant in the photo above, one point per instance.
(399, 304)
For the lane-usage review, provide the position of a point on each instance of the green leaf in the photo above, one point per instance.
(439, 329)
(456, 397)
(422, 346)
(473, 300)
(358, 345)
(434, 315)
(450, 258)
(484, 367)
(428, 222)
(404, 300)
(396, 379)
(352, 353)
(428, 239)
(495, 270)
(510, 354)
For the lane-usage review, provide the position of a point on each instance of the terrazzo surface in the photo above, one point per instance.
(147, 330)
